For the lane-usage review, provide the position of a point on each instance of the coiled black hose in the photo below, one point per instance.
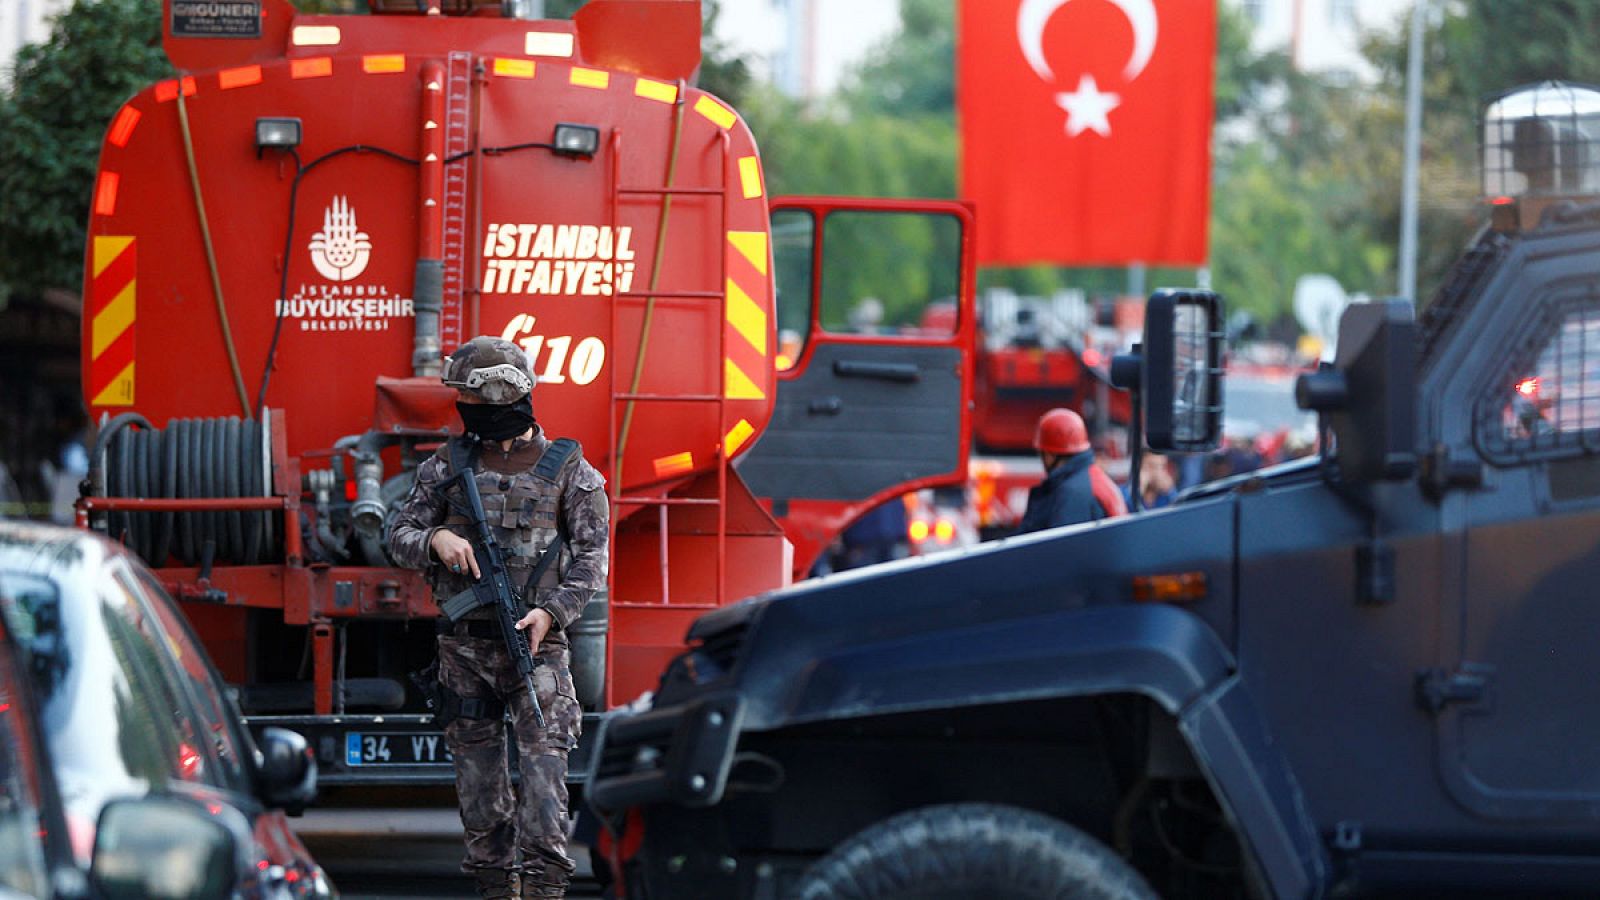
(192, 458)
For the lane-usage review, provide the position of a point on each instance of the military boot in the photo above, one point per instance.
(539, 884)
(495, 884)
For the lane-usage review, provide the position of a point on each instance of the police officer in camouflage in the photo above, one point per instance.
(537, 501)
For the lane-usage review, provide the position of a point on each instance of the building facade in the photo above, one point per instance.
(1322, 35)
(806, 47)
(23, 22)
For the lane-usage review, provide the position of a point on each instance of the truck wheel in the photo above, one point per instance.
(972, 850)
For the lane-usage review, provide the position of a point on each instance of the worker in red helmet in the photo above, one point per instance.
(1074, 489)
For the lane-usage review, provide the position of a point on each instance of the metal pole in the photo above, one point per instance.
(1136, 279)
(1407, 286)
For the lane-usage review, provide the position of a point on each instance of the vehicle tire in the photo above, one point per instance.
(972, 850)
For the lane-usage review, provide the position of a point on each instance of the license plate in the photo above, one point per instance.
(404, 748)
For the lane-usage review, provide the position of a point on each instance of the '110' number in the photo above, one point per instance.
(581, 362)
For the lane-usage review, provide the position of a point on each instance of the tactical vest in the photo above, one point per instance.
(521, 492)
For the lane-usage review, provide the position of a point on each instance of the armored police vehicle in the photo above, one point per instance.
(1369, 673)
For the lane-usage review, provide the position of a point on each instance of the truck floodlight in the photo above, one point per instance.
(277, 134)
(576, 140)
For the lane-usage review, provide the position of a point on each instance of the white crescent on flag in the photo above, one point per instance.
(1034, 15)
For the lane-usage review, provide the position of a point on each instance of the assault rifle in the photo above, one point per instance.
(494, 587)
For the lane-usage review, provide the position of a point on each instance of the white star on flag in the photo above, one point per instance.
(1087, 108)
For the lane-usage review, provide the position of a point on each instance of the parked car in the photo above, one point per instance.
(153, 777)
(148, 846)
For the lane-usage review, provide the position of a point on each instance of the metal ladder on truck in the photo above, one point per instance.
(625, 398)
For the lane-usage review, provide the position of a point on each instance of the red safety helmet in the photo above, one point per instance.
(1061, 431)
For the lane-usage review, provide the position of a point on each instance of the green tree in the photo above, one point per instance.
(1308, 190)
(1476, 50)
(1484, 47)
(912, 73)
(53, 113)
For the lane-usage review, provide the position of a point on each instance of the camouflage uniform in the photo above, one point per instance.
(523, 509)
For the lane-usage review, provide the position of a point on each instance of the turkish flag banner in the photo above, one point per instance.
(1086, 129)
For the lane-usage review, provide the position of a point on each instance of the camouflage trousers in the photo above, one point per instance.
(499, 826)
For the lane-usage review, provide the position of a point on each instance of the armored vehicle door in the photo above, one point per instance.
(1519, 738)
(875, 331)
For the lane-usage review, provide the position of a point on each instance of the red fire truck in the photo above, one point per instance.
(1032, 356)
(288, 235)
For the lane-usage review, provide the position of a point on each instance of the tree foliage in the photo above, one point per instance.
(53, 113)
(1476, 50)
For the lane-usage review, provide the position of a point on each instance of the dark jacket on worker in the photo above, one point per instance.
(1066, 496)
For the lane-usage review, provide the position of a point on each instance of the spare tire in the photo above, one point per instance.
(972, 850)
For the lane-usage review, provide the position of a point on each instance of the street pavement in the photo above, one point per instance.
(373, 853)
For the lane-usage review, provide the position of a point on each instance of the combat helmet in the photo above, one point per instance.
(493, 368)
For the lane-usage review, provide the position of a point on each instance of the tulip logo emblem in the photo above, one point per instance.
(340, 251)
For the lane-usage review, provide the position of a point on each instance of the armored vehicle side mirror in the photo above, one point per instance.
(1368, 396)
(1177, 371)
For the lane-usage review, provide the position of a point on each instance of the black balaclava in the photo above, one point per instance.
(494, 422)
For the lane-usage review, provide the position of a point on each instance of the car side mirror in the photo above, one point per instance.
(1177, 371)
(287, 773)
(167, 847)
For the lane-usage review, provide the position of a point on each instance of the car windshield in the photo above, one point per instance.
(107, 716)
(22, 859)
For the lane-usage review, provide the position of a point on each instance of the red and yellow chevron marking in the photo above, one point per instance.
(747, 318)
(112, 296)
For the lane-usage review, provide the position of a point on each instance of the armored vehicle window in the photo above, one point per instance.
(1548, 405)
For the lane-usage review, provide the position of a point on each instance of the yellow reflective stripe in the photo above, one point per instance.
(111, 322)
(119, 392)
(513, 68)
(739, 385)
(656, 90)
(736, 437)
(750, 177)
(721, 115)
(591, 78)
(752, 245)
(671, 465)
(746, 317)
(107, 249)
(379, 64)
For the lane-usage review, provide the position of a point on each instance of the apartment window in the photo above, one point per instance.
(1342, 13)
